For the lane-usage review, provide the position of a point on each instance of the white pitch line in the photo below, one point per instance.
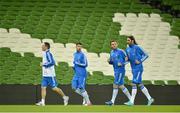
(88, 112)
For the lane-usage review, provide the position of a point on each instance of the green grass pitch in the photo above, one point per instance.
(93, 108)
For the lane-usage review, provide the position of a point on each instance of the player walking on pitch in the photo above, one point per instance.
(80, 74)
(49, 76)
(136, 56)
(118, 60)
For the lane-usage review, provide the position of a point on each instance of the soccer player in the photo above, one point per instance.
(136, 56)
(49, 76)
(80, 74)
(118, 60)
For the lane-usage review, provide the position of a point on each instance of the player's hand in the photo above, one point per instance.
(137, 62)
(119, 64)
(126, 58)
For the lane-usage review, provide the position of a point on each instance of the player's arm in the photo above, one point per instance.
(127, 58)
(110, 60)
(143, 53)
(122, 62)
(82, 61)
(50, 60)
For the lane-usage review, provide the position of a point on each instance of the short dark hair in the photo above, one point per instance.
(132, 38)
(47, 45)
(113, 41)
(79, 43)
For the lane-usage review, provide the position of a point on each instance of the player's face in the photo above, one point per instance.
(114, 45)
(129, 41)
(43, 47)
(78, 47)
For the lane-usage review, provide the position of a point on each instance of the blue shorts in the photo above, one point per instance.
(137, 76)
(78, 82)
(49, 81)
(119, 77)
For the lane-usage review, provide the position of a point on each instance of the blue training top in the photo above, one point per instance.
(135, 52)
(118, 56)
(80, 64)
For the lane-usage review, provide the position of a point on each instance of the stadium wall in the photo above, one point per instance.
(30, 94)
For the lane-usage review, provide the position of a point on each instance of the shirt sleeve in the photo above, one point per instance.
(110, 59)
(50, 60)
(123, 60)
(82, 61)
(143, 53)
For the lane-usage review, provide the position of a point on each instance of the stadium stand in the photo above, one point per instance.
(153, 36)
(26, 23)
(168, 6)
(17, 69)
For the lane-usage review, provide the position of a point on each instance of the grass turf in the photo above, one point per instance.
(94, 108)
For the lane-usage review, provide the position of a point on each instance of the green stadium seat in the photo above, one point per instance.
(65, 81)
(98, 75)
(15, 54)
(172, 82)
(159, 82)
(28, 81)
(106, 82)
(93, 81)
(147, 82)
(5, 49)
(28, 54)
(89, 22)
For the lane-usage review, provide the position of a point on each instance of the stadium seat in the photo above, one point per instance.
(92, 23)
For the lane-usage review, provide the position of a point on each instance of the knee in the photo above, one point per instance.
(81, 90)
(141, 86)
(115, 86)
(134, 86)
(55, 89)
(122, 87)
(43, 88)
(74, 88)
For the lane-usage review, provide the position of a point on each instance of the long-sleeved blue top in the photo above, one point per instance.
(135, 52)
(80, 64)
(118, 56)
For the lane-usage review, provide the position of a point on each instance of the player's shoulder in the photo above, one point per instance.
(121, 51)
(127, 48)
(111, 51)
(138, 47)
(135, 45)
(48, 52)
(74, 54)
(83, 54)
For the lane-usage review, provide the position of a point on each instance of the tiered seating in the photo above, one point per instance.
(176, 28)
(22, 43)
(65, 22)
(70, 21)
(175, 4)
(15, 69)
(153, 35)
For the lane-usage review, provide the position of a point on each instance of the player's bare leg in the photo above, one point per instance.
(43, 96)
(61, 93)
